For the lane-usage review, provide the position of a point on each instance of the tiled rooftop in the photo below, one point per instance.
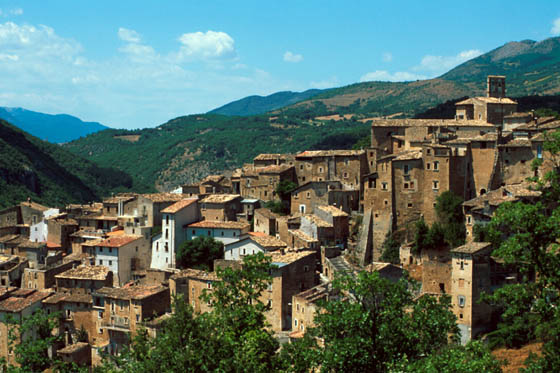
(220, 198)
(219, 224)
(429, 123)
(487, 100)
(83, 272)
(288, 256)
(118, 241)
(471, 247)
(196, 274)
(70, 349)
(163, 197)
(334, 211)
(329, 153)
(269, 157)
(317, 221)
(268, 241)
(302, 235)
(178, 206)
(59, 297)
(20, 299)
(134, 292)
(266, 213)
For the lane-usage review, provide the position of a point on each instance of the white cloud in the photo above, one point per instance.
(206, 45)
(385, 76)
(555, 30)
(387, 57)
(16, 12)
(442, 64)
(128, 35)
(42, 71)
(292, 57)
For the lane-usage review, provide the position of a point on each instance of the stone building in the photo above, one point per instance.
(470, 277)
(119, 312)
(265, 221)
(306, 197)
(264, 160)
(345, 166)
(122, 255)
(11, 270)
(305, 307)
(221, 207)
(60, 229)
(84, 279)
(19, 304)
(261, 182)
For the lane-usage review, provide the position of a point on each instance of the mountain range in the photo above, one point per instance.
(48, 174)
(57, 128)
(186, 149)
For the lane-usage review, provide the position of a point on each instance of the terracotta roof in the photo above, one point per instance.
(20, 299)
(70, 349)
(219, 224)
(163, 197)
(472, 247)
(302, 235)
(317, 220)
(84, 272)
(59, 297)
(220, 198)
(271, 156)
(408, 155)
(178, 206)
(266, 213)
(429, 123)
(196, 274)
(289, 256)
(117, 199)
(315, 293)
(34, 206)
(118, 232)
(87, 233)
(134, 292)
(487, 100)
(213, 178)
(52, 245)
(260, 234)
(268, 241)
(517, 143)
(333, 210)
(118, 241)
(329, 153)
(273, 169)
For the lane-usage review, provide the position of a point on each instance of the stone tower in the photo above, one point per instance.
(496, 86)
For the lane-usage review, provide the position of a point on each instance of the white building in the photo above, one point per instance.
(175, 219)
(223, 231)
(122, 254)
(39, 231)
(253, 244)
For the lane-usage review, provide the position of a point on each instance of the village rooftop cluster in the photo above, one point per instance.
(107, 270)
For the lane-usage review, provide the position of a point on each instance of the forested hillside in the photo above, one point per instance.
(46, 173)
(188, 148)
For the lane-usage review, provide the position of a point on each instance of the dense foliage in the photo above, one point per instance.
(48, 174)
(390, 250)
(526, 236)
(200, 253)
(187, 149)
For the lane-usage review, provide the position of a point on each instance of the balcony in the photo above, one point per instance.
(117, 323)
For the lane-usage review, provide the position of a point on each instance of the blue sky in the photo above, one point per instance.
(134, 64)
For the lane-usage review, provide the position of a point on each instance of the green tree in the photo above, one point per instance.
(30, 340)
(449, 211)
(390, 250)
(200, 253)
(379, 322)
(527, 235)
(284, 189)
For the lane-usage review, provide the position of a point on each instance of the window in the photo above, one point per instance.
(166, 219)
(435, 184)
(308, 195)
(100, 314)
(297, 306)
(166, 233)
(469, 219)
(296, 195)
(100, 262)
(405, 169)
(157, 246)
(428, 151)
(110, 262)
(320, 169)
(244, 251)
(385, 202)
(436, 166)
(384, 186)
(345, 175)
(412, 185)
(461, 300)
(305, 268)
(295, 322)
(209, 285)
(405, 185)
(209, 233)
(539, 151)
(409, 205)
(110, 250)
(428, 166)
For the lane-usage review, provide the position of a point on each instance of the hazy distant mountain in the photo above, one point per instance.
(189, 148)
(49, 174)
(53, 128)
(261, 104)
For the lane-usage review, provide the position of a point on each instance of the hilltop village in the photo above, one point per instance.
(110, 267)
